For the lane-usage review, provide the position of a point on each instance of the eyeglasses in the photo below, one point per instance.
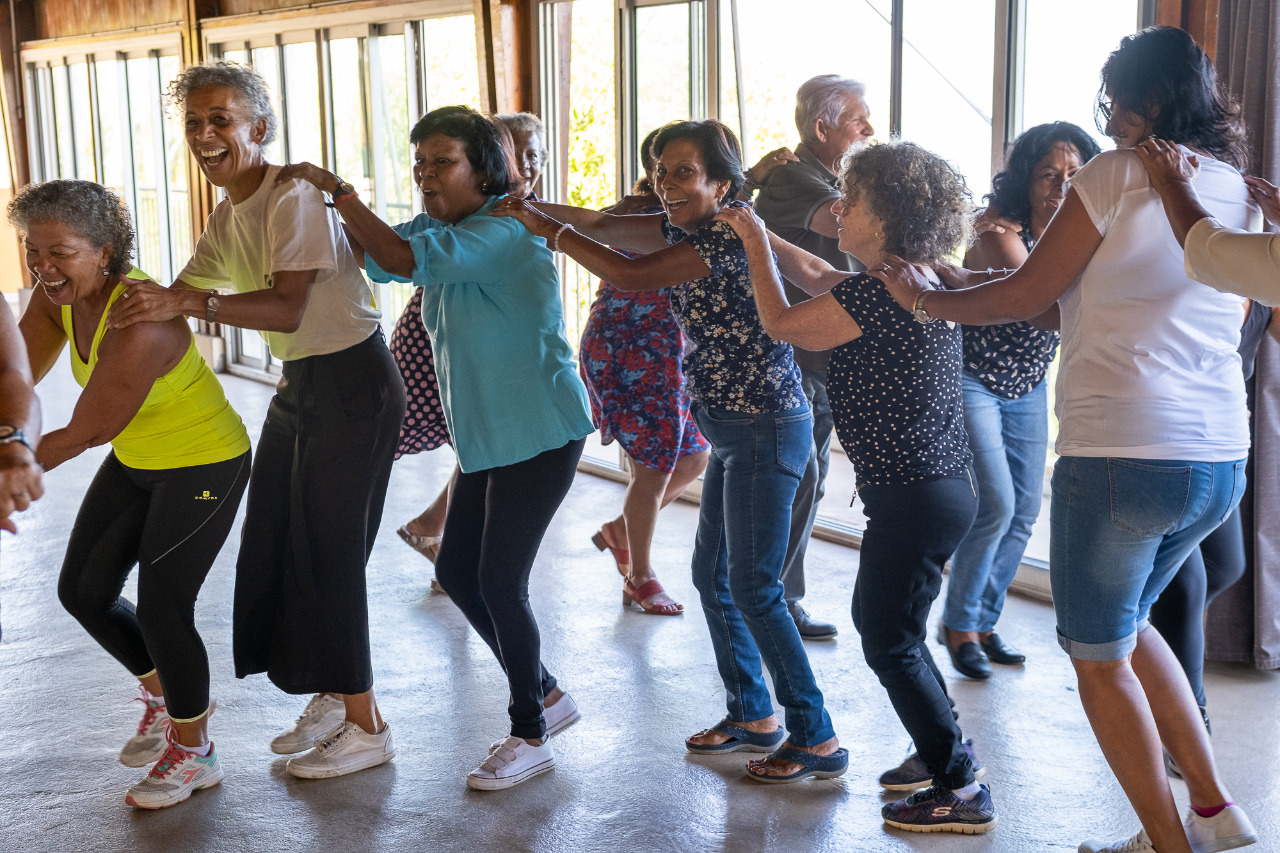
(1105, 108)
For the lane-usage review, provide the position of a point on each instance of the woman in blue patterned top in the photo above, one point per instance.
(747, 401)
(894, 386)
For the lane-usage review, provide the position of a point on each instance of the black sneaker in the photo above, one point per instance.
(912, 774)
(938, 810)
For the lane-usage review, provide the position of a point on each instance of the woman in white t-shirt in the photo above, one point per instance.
(1152, 425)
(324, 457)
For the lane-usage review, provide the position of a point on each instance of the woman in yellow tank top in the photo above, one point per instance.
(166, 495)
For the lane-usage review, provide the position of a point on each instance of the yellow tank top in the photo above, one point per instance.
(185, 419)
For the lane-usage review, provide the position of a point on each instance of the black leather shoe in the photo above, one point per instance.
(998, 651)
(969, 660)
(810, 628)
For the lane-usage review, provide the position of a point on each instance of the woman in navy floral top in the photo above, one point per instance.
(747, 401)
(894, 386)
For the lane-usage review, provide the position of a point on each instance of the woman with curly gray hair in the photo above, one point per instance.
(165, 497)
(324, 457)
(894, 386)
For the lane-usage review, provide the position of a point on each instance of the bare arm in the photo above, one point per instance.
(1003, 249)
(278, 308)
(20, 474)
(1059, 258)
(41, 327)
(356, 248)
(823, 220)
(1266, 196)
(664, 267)
(806, 271)
(637, 232)
(819, 323)
(129, 362)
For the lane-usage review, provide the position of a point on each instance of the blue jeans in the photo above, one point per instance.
(1119, 530)
(1008, 439)
(756, 463)
(804, 509)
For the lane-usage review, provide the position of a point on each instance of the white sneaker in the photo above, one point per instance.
(322, 714)
(514, 761)
(345, 749)
(1140, 843)
(174, 777)
(1227, 830)
(148, 743)
(561, 715)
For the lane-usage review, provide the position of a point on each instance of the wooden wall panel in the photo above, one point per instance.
(58, 18)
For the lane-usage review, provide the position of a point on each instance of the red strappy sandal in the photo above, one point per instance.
(651, 597)
(621, 556)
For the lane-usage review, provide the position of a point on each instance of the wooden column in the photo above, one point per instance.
(504, 48)
(1197, 17)
(201, 196)
(16, 25)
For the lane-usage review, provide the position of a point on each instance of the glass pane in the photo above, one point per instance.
(267, 63)
(779, 53)
(175, 157)
(48, 146)
(86, 169)
(113, 138)
(234, 56)
(397, 178)
(352, 154)
(451, 68)
(302, 84)
(946, 93)
(1093, 29)
(64, 127)
(146, 171)
(662, 67)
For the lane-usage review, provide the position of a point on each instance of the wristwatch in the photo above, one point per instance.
(918, 311)
(211, 305)
(10, 434)
(343, 188)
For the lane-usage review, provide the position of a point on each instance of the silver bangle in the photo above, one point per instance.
(555, 244)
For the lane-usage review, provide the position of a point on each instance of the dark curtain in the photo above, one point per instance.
(1244, 622)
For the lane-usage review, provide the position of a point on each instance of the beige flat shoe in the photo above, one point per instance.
(427, 546)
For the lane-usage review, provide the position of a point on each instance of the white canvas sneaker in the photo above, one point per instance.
(1140, 843)
(514, 761)
(1227, 830)
(174, 777)
(322, 714)
(345, 749)
(561, 715)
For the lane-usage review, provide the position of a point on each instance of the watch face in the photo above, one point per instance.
(344, 188)
(6, 431)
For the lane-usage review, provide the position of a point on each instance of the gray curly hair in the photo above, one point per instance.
(922, 202)
(250, 85)
(90, 210)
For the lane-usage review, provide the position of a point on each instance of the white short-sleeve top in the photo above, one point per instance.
(287, 228)
(1149, 366)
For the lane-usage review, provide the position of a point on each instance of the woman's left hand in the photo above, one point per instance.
(769, 162)
(744, 222)
(146, 301)
(904, 281)
(519, 209)
(321, 179)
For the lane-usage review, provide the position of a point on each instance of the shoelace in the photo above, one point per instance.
(333, 739)
(312, 710)
(150, 710)
(173, 756)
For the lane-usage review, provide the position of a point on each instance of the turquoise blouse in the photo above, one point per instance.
(491, 303)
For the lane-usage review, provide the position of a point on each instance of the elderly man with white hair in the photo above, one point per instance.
(795, 203)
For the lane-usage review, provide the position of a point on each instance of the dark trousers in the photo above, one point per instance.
(497, 518)
(1178, 613)
(911, 531)
(171, 523)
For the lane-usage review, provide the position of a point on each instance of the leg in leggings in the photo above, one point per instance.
(172, 522)
(1179, 612)
(496, 522)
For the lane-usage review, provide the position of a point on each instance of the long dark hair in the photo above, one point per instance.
(1164, 76)
(720, 150)
(482, 139)
(1011, 185)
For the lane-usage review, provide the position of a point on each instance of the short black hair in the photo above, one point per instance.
(720, 150)
(1011, 186)
(1162, 74)
(481, 138)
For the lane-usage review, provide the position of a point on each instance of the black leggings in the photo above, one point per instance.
(171, 523)
(1178, 613)
(496, 521)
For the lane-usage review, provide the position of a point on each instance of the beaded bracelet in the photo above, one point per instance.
(555, 245)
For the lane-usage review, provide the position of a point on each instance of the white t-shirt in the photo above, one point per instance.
(1149, 365)
(1235, 261)
(287, 228)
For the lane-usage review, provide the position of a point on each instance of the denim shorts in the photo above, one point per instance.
(1119, 530)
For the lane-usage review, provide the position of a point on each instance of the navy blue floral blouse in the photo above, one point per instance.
(729, 361)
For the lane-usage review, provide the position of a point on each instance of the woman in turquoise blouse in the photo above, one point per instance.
(512, 399)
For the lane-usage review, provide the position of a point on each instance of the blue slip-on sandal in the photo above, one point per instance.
(739, 739)
(818, 766)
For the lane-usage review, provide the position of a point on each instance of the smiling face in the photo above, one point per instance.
(859, 230)
(450, 186)
(689, 197)
(67, 266)
(225, 139)
(1048, 183)
(528, 157)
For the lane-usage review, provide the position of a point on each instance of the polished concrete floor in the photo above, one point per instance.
(623, 781)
